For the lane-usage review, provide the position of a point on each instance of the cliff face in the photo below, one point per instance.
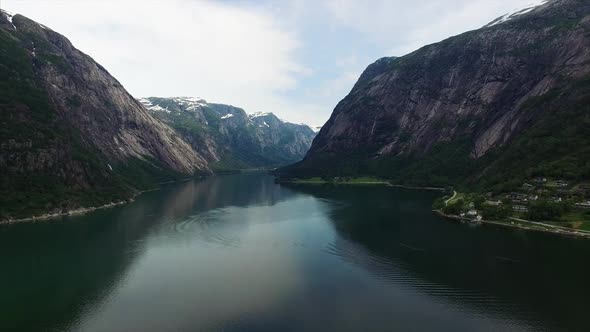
(71, 135)
(229, 137)
(461, 107)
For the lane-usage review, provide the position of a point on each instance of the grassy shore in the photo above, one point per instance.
(347, 181)
(522, 224)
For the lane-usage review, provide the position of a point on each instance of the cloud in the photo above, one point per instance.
(297, 58)
(216, 50)
(409, 25)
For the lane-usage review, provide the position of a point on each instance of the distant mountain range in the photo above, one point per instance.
(228, 137)
(484, 109)
(72, 136)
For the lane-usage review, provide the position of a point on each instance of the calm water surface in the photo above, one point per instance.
(241, 253)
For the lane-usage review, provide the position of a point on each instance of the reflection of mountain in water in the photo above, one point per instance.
(393, 234)
(72, 259)
(67, 263)
(222, 191)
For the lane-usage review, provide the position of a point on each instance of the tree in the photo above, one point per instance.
(496, 212)
(544, 210)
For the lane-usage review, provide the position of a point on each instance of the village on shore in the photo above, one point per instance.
(551, 204)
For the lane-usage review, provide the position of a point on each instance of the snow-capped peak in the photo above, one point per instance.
(8, 16)
(145, 101)
(518, 12)
(6, 13)
(187, 103)
(262, 114)
(258, 114)
(190, 103)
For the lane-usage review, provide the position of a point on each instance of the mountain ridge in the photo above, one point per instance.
(235, 139)
(451, 112)
(71, 135)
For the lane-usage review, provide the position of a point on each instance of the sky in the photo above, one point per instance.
(295, 58)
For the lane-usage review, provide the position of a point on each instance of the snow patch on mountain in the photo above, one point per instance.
(159, 108)
(8, 17)
(190, 103)
(518, 12)
(146, 102)
(227, 116)
(258, 114)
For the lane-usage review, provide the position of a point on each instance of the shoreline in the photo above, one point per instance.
(377, 182)
(74, 212)
(86, 210)
(535, 227)
(335, 183)
(416, 188)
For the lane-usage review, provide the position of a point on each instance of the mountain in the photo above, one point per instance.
(228, 137)
(71, 135)
(483, 109)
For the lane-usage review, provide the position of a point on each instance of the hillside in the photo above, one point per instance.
(485, 109)
(231, 139)
(71, 135)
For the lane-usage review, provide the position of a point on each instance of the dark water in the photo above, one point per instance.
(240, 253)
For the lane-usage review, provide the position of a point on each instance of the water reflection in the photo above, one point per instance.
(533, 281)
(241, 253)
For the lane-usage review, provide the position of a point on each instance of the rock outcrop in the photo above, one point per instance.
(71, 134)
(473, 107)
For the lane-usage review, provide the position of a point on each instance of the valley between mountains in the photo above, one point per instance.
(488, 111)
(72, 137)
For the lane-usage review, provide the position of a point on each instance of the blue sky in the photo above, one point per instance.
(296, 58)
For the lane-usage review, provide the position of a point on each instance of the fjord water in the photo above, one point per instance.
(241, 253)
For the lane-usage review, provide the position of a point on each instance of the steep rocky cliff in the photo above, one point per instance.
(70, 134)
(510, 99)
(229, 137)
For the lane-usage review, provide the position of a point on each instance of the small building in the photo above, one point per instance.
(528, 187)
(565, 193)
(540, 180)
(583, 205)
(556, 199)
(533, 198)
(472, 213)
(517, 197)
(479, 218)
(494, 203)
(561, 183)
(520, 208)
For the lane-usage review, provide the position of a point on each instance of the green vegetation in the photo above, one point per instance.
(455, 208)
(340, 180)
(459, 196)
(47, 165)
(547, 211)
(555, 144)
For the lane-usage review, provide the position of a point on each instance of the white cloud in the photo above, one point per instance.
(296, 58)
(221, 52)
(408, 25)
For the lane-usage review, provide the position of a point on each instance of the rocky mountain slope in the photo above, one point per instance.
(509, 100)
(70, 134)
(233, 139)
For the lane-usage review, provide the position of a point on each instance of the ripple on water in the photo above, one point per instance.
(391, 270)
(206, 229)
